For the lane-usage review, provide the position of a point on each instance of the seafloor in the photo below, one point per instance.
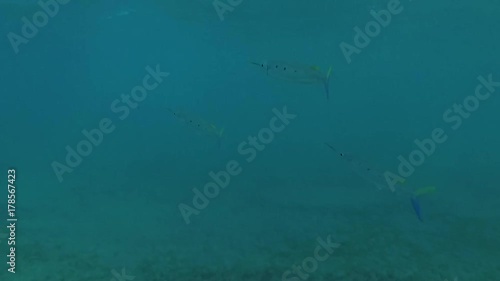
(247, 240)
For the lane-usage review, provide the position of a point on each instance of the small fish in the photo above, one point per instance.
(377, 178)
(200, 125)
(297, 73)
(121, 13)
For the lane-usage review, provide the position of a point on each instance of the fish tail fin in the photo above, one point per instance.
(416, 208)
(327, 83)
(415, 202)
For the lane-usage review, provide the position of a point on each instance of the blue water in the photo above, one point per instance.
(125, 200)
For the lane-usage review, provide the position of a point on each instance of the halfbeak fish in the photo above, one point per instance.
(296, 73)
(377, 178)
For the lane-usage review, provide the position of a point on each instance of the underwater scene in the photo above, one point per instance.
(287, 140)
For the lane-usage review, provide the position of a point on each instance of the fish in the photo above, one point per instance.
(200, 125)
(296, 73)
(362, 169)
(377, 178)
(121, 13)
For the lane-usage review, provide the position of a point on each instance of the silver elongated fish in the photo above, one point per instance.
(121, 13)
(296, 73)
(201, 126)
(377, 178)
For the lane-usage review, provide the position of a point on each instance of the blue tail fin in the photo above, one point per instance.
(416, 207)
(414, 201)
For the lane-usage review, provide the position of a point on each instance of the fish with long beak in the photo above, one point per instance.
(296, 73)
(200, 125)
(377, 179)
